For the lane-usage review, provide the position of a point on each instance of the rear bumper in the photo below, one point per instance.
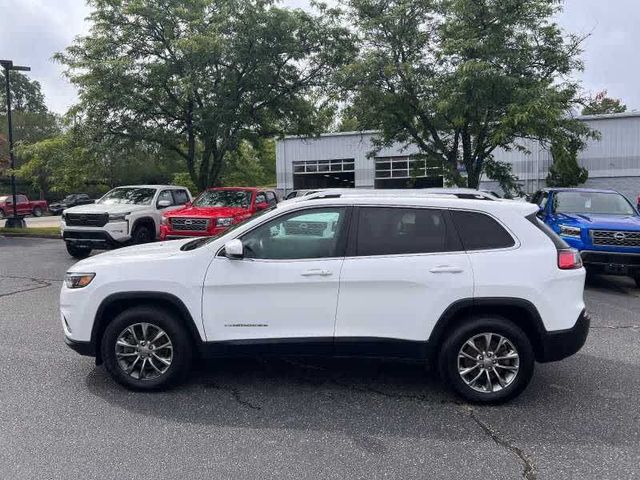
(560, 344)
(83, 348)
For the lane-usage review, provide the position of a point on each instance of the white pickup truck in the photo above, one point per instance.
(123, 216)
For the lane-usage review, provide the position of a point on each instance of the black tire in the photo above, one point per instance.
(142, 234)
(2, 216)
(448, 359)
(158, 318)
(77, 252)
(637, 280)
(37, 212)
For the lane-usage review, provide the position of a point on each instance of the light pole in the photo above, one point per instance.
(15, 221)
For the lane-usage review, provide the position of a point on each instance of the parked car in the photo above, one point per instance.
(123, 216)
(69, 201)
(215, 210)
(299, 193)
(24, 206)
(424, 277)
(602, 224)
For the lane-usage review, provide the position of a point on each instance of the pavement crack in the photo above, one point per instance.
(615, 327)
(235, 394)
(39, 283)
(529, 468)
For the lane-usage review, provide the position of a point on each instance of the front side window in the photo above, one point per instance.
(312, 233)
(224, 198)
(393, 231)
(479, 231)
(165, 195)
(180, 196)
(261, 198)
(129, 196)
(22, 199)
(602, 203)
(271, 198)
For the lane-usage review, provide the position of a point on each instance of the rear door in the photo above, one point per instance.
(404, 267)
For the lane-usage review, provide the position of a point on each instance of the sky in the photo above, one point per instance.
(31, 31)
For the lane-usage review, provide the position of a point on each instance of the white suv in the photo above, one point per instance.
(125, 215)
(480, 287)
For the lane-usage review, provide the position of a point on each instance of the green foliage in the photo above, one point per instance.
(183, 179)
(565, 171)
(26, 95)
(200, 77)
(601, 104)
(462, 78)
(252, 165)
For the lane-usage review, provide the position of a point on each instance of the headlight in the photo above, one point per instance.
(224, 222)
(164, 221)
(567, 231)
(118, 217)
(78, 280)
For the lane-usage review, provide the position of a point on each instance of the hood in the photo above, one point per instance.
(103, 208)
(148, 252)
(209, 212)
(599, 221)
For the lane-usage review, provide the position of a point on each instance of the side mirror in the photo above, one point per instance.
(234, 249)
(164, 203)
(188, 204)
(262, 206)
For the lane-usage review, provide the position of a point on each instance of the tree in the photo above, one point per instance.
(565, 171)
(462, 78)
(601, 104)
(199, 77)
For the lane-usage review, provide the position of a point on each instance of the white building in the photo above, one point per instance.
(349, 160)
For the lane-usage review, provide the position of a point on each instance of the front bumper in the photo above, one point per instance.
(613, 263)
(168, 234)
(559, 344)
(83, 348)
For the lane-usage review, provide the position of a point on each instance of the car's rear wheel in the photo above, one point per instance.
(636, 277)
(1, 214)
(37, 212)
(146, 348)
(77, 252)
(487, 359)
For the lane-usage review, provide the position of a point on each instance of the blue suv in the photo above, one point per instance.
(602, 224)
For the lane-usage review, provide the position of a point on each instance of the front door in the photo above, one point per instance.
(405, 268)
(286, 286)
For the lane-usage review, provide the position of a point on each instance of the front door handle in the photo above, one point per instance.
(446, 269)
(316, 272)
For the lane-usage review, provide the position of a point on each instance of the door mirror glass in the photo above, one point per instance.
(164, 203)
(234, 249)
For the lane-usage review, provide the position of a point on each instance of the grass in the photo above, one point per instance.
(36, 231)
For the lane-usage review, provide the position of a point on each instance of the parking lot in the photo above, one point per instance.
(62, 417)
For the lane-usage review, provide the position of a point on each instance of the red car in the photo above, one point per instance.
(24, 206)
(215, 210)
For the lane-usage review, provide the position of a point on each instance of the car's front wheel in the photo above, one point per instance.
(146, 348)
(77, 252)
(487, 359)
(37, 212)
(142, 234)
(2, 214)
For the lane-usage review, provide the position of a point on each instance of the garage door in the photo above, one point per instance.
(312, 174)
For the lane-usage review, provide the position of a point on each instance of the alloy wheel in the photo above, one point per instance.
(144, 351)
(488, 362)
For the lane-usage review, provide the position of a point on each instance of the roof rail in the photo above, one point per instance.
(464, 194)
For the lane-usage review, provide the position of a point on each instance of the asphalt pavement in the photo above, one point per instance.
(62, 417)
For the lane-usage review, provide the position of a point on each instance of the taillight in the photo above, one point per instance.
(569, 259)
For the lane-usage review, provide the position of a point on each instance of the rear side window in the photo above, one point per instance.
(479, 231)
(393, 231)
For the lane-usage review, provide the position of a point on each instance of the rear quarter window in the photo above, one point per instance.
(479, 231)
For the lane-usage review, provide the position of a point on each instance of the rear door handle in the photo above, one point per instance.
(446, 269)
(316, 272)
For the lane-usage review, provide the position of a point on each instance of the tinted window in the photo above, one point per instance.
(391, 231)
(181, 197)
(479, 231)
(308, 234)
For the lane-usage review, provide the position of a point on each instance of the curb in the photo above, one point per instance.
(26, 235)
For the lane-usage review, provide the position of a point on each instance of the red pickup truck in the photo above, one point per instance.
(24, 206)
(215, 210)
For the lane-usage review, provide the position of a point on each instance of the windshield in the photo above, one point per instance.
(198, 242)
(223, 198)
(592, 202)
(131, 196)
(68, 198)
